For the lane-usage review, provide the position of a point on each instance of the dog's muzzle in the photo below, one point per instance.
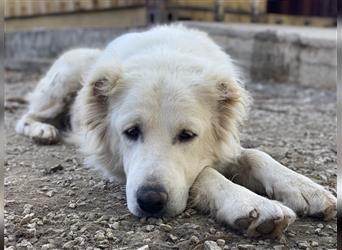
(152, 198)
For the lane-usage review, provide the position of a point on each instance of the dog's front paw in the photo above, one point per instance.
(305, 197)
(258, 216)
(40, 132)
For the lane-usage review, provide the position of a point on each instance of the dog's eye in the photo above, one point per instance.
(133, 133)
(186, 135)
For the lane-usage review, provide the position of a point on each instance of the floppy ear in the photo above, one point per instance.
(103, 78)
(100, 87)
(100, 84)
(232, 107)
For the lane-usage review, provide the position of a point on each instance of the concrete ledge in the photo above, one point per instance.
(280, 54)
(303, 55)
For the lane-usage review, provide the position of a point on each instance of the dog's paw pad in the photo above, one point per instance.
(266, 227)
(330, 212)
(244, 222)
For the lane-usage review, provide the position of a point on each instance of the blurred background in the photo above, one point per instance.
(30, 14)
(272, 40)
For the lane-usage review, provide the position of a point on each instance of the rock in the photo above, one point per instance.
(27, 209)
(303, 245)
(109, 233)
(72, 205)
(194, 239)
(246, 247)
(115, 225)
(173, 237)
(279, 247)
(147, 240)
(314, 244)
(212, 230)
(27, 218)
(50, 193)
(24, 244)
(149, 228)
(47, 246)
(69, 244)
(320, 225)
(291, 234)
(146, 247)
(100, 236)
(211, 245)
(221, 242)
(165, 227)
(54, 169)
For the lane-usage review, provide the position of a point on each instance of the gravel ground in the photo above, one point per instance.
(52, 202)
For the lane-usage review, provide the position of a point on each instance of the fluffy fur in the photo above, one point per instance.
(164, 81)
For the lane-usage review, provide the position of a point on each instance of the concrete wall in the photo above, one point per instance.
(304, 56)
(114, 18)
(307, 56)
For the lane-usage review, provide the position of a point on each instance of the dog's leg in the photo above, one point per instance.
(259, 172)
(53, 94)
(239, 207)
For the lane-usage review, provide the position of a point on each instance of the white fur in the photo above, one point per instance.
(165, 80)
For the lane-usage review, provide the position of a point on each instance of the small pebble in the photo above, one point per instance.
(47, 246)
(279, 247)
(27, 218)
(72, 205)
(109, 233)
(165, 227)
(173, 237)
(50, 193)
(100, 236)
(221, 242)
(314, 244)
(27, 209)
(246, 247)
(149, 228)
(146, 247)
(69, 244)
(303, 245)
(147, 240)
(211, 245)
(115, 225)
(194, 239)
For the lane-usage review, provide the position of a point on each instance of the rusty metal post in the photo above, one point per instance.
(156, 11)
(219, 10)
(254, 11)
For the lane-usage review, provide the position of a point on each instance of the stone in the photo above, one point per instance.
(221, 242)
(194, 239)
(211, 245)
(246, 247)
(149, 228)
(145, 247)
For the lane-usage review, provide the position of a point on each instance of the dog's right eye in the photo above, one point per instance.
(132, 133)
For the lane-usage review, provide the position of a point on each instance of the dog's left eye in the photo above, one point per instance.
(132, 133)
(186, 135)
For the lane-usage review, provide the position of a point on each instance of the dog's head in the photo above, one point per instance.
(158, 121)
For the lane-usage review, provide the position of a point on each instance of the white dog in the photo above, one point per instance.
(160, 110)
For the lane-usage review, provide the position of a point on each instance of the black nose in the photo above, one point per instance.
(152, 199)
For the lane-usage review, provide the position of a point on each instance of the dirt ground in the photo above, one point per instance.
(52, 202)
